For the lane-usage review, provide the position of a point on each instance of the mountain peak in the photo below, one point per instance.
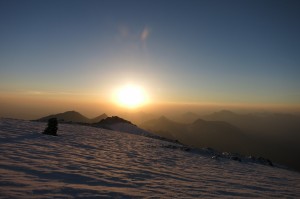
(99, 118)
(68, 116)
(199, 121)
(73, 116)
(71, 111)
(163, 118)
(113, 120)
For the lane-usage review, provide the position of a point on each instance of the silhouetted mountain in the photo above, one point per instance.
(219, 135)
(187, 117)
(73, 116)
(119, 124)
(99, 118)
(137, 117)
(259, 123)
(164, 127)
(274, 135)
(243, 121)
(224, 113)
(216, 134)
(113, 120)
(69, 116)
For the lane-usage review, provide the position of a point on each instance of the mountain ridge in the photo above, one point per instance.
(200, 133)
(73, 116)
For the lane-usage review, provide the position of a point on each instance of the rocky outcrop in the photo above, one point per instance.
(52, 127)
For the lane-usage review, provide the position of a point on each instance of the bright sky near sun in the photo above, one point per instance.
(130, 96)
(175, 51)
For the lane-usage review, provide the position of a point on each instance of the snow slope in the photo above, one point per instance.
(87, 162)
(128, 128)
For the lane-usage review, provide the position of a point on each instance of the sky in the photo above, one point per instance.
(70, 54)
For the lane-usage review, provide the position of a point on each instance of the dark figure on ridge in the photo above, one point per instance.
(52, 127)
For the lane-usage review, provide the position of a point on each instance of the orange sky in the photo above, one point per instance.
(33, 106)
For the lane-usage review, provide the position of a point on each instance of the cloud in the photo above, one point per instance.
(145, 34)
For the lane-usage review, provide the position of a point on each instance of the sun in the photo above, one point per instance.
(131, 96)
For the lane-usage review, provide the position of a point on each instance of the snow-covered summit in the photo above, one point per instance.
(88, 162)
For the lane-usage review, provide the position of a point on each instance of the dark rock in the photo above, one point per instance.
(270, 162)
(52, 127)
(235, 158)
(186, 148)
(265, 161)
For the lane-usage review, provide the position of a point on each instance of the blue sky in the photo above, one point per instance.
(179, 51)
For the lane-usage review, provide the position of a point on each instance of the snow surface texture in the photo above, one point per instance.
(87, 162)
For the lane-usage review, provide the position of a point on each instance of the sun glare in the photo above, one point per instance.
(131, 96)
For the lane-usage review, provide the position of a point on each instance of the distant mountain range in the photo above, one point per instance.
(73, 116)
(188, 117)
(272, 135)
(137, 117)
(216, 134)
(260, 123)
